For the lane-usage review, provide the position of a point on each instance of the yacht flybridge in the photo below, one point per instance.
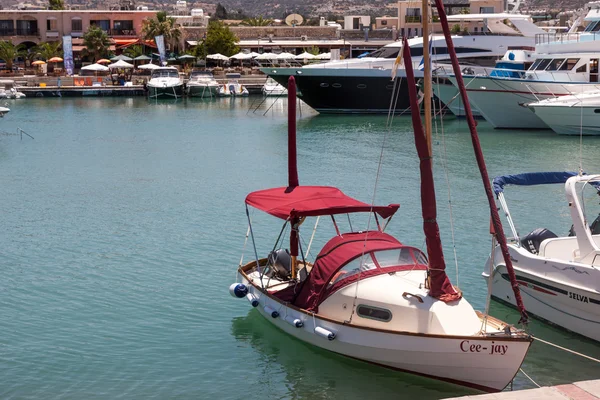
(559, 276)
(363, 85)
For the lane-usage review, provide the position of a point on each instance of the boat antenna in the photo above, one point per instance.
(481, 163)
(292, 170)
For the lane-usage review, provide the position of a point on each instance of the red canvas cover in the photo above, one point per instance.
(338, 252)
(311, 201)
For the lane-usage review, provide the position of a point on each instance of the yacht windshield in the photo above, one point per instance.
(385, 52)
(165, 73)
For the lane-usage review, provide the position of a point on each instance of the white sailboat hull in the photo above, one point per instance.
(557, 291)
(486, 363)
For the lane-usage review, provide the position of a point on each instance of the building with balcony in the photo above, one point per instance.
(31, 27)
(409, 21)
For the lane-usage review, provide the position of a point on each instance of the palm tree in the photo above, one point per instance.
(134, 51)
(9, 52)
(96, 42)
(162, 25)
(47, 50)
(260, 21)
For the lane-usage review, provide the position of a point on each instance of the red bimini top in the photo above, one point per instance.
(311, 201)
(340, 252)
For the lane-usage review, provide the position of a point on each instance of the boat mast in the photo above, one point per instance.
(292, 168)
(481, 163)
(427, 74)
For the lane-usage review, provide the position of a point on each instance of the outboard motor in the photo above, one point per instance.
(532, 241)
(280, 262)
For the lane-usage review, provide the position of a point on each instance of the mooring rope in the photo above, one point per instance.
(567, 350)
(528, 377)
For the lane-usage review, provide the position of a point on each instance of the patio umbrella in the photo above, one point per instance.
(254, 54)
(324, 56)
(95, 67)
(266, 56)
(103, 61)
(285, 56)
(148, 66)
(38, 62)
(241, 56)
(121, 57)
(186, 57)
(142, 58)
(305, 56)
(55, 59)
(217, 56)
(120, 64)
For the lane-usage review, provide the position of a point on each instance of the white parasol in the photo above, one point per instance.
(95, 67)
(120, 64)
(217, 56)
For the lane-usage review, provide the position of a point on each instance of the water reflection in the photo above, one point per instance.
(312, 373)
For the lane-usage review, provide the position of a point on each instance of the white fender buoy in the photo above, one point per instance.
(324, 333)
(294, 321)
(252, 299)
(271, 312)
(238, 290)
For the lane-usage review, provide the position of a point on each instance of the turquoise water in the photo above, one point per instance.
(123, 222)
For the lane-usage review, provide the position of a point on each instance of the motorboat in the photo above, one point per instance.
(272, 88)
(202, 84)
(8, 90)
(233, 87)
(512, 65)
(3, 111)
(362, 85)
(559, 276)
(165, 82)
(366, 295)
(577, 114)
(565, 64)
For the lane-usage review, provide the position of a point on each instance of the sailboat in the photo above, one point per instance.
(368, 296)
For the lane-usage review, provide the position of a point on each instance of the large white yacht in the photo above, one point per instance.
(577, 114)
(566, 64)
(363, 85)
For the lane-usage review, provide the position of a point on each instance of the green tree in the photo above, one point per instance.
(96, 42)
(56, 4)
(134, 51)
(219, 39)
(9, 53)
(314, 50)
(260, 21)
(162, 25)
(47, 50)
(221, 12)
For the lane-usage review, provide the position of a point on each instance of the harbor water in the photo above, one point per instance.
(123, 223)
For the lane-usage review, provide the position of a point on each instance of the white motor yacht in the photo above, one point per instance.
(577, 114)
(202, 84)
(566, 63)
(559, 276)
(233, 87)
(362, 85)
(165, 82)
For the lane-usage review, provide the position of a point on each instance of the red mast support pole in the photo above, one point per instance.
(440, 286)
(292, 168)
(497, 224)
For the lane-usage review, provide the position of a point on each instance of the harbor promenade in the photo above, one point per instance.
(585, 390)
(102, 86)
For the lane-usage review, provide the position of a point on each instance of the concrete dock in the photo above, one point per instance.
(585, 390)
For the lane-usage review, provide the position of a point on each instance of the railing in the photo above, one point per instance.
(553, 38)
(412, 18)
(512, 74)
(122, 32)
(19, 32)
